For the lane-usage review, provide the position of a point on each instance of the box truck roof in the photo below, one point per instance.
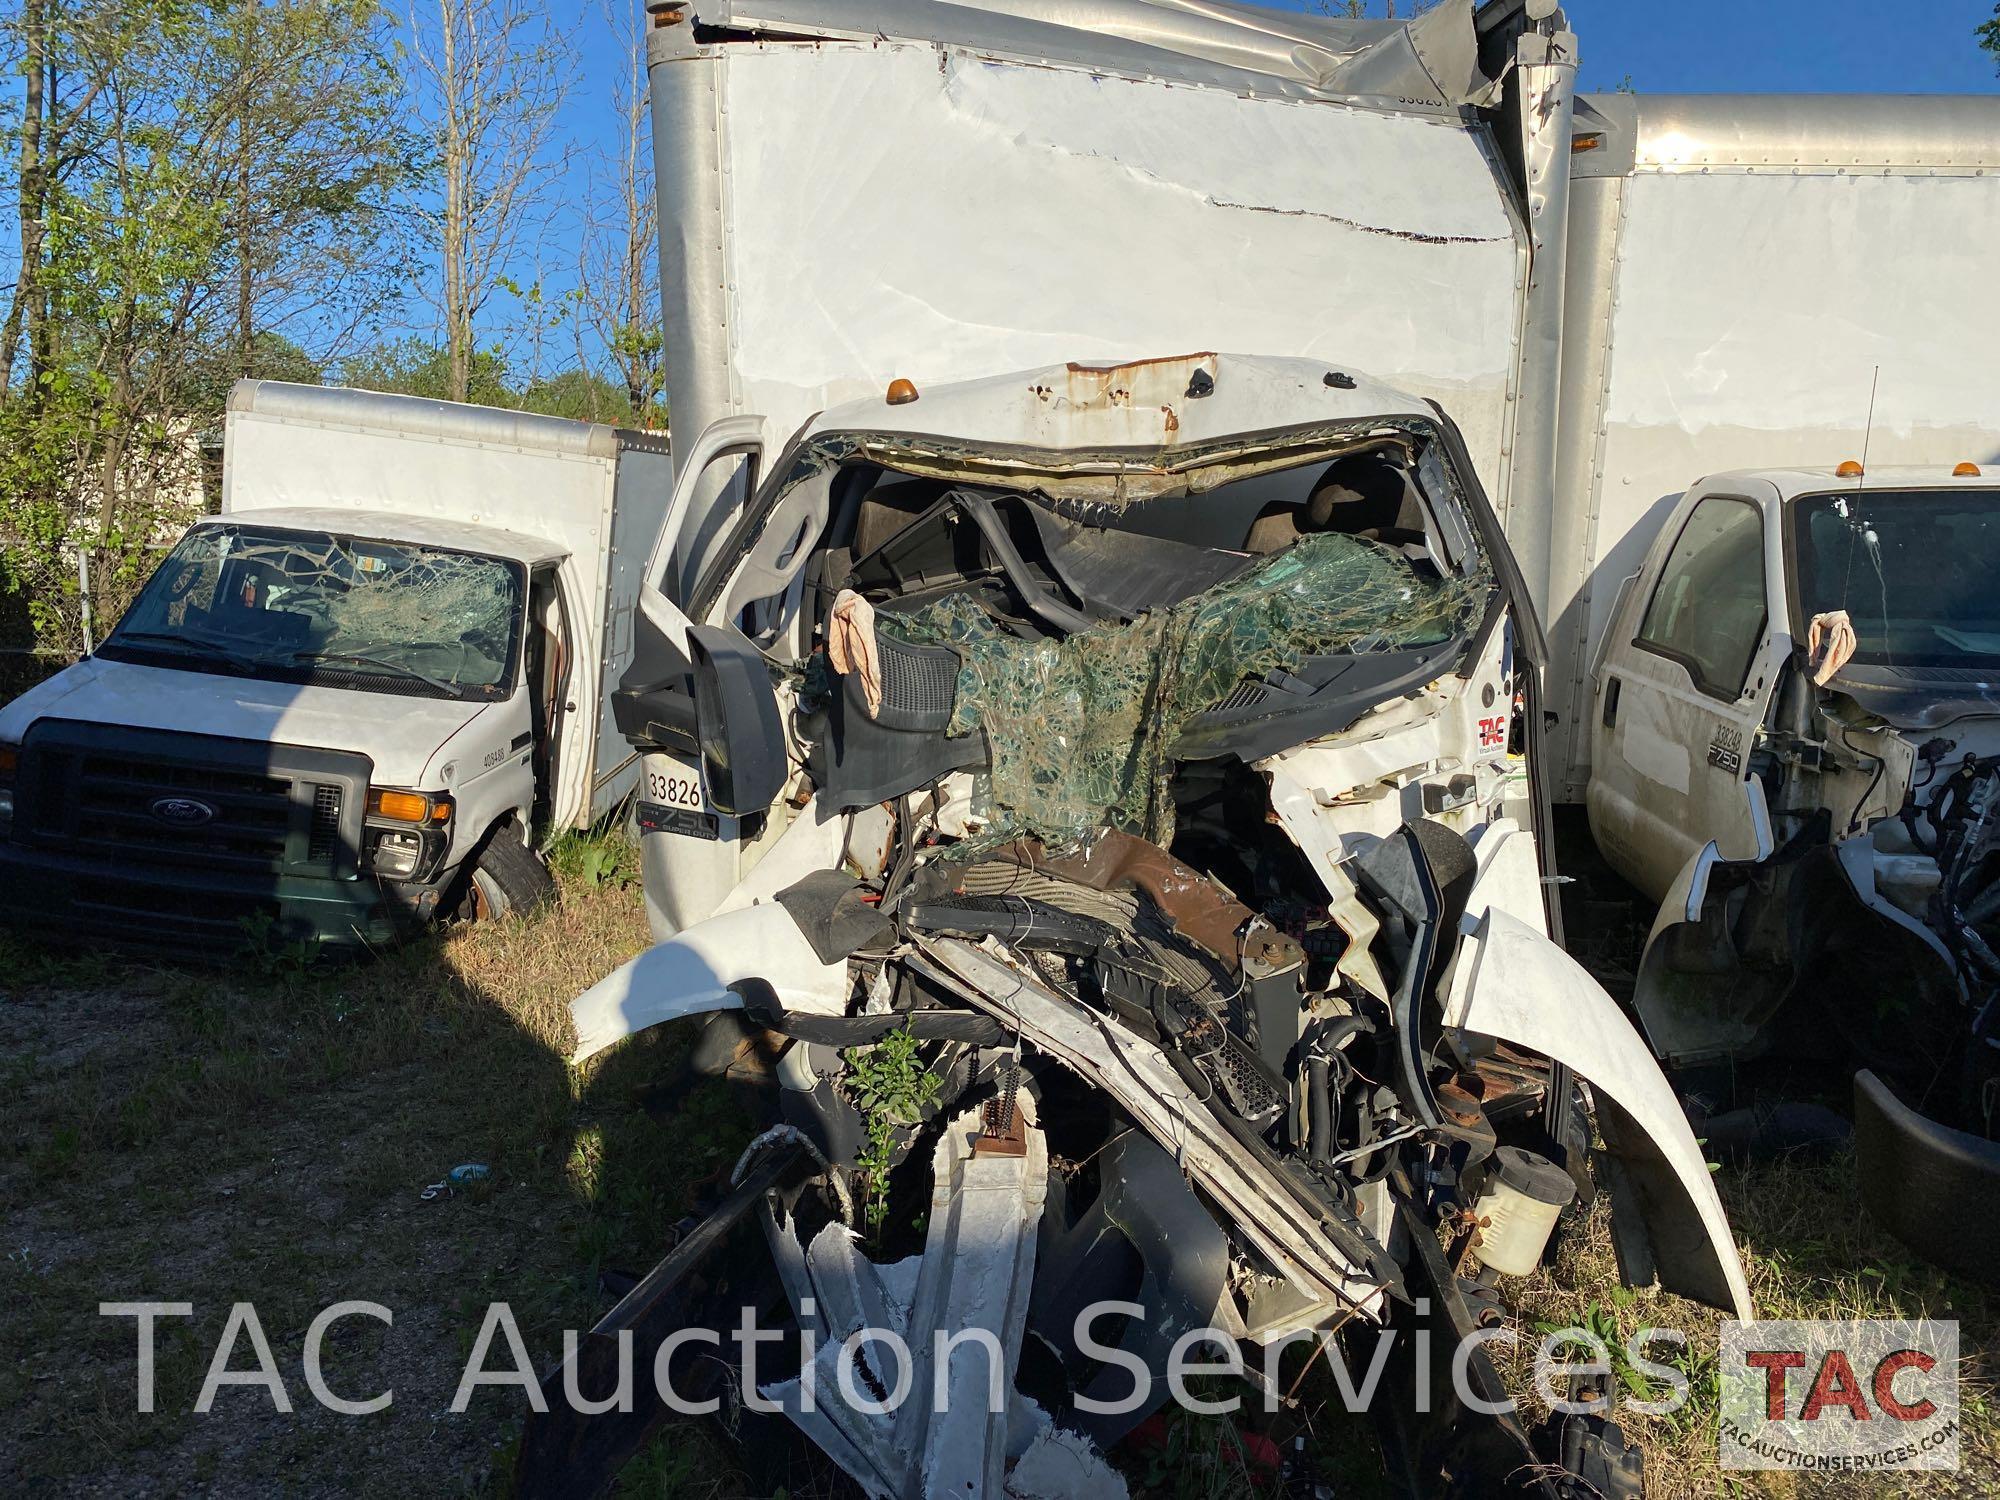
(416, 416)
(1429, 61)
(392, 526)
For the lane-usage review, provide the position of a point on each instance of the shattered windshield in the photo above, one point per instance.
(1083, 728)
(316, 607)
(1914, 570)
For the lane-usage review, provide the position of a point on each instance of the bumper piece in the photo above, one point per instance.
(198, 914)
(1934, 1188)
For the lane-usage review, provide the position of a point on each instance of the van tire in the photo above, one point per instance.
(508, 879)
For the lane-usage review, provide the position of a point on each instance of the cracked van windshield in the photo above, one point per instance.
(314, 607)
(1913, 569)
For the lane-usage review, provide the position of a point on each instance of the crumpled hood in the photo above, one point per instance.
(398, 734)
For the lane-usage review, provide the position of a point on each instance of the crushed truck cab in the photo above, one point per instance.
(1134, 740)
(1796, 749)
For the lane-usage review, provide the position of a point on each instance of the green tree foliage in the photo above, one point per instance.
(204, 190)
(414, 366)
(1989, 36)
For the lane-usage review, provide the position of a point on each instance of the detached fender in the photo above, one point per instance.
(694, 972)
(1512, 983)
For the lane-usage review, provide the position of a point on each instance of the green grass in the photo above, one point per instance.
(262, 1133)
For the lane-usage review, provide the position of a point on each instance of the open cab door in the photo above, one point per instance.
(698, 701)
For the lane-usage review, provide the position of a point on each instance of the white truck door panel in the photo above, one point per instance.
(724, 447)
(1683, 689)
(692, 854)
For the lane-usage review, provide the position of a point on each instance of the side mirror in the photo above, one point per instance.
(743, 761)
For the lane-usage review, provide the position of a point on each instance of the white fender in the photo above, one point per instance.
(1511, 982)
(691, 973)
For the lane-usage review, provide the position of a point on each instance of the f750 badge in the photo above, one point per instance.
(1725, 751)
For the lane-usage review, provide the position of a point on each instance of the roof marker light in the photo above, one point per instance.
(1966, 471)
(1849, 470)
(901, 392)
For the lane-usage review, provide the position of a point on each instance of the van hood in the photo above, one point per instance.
(398, 734)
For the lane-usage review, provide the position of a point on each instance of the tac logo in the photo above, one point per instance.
(1839, 1397)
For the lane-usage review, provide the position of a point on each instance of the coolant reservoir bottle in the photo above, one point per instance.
(1517, 1210)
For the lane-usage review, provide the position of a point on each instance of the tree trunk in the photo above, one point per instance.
(24, 312)
(457, 210)
(246, 331)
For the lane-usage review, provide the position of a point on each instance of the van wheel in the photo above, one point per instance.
(507, 878)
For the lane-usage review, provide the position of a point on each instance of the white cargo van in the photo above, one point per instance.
(365, 691)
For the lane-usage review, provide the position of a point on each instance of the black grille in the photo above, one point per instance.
(185, 800)
(918, 680)
(123, 804)
(1247, 695)
(325, 838)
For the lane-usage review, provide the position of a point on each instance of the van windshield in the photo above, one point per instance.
(301, 606)
(1914, 569)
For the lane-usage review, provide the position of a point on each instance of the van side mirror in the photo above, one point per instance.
(743, 761)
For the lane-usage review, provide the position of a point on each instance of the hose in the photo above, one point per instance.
(1320, 1144)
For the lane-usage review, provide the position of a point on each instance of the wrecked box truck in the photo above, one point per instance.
(1080, 805)
(356, 699)
(1769, 673)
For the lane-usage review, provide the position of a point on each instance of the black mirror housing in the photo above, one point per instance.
(743, 761)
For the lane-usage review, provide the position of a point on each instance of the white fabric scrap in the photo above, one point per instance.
(850, 644)
(1836, 630)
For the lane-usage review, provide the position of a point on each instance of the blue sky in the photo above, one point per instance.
(1785, 46)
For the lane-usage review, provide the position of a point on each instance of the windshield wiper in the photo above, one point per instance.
(181, 645)
(449, 689)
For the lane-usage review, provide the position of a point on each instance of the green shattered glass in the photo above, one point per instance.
(1082, 729)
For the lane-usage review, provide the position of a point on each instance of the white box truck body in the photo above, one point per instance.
(1031, 363)
(1772, 604)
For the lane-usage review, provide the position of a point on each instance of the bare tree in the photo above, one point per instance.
(618, 271)
(316, 157)
(492, 76)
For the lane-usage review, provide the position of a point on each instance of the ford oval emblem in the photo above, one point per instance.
(183, 812)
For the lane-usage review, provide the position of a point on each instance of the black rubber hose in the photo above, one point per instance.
(1319, 1111)
(1365, 1169)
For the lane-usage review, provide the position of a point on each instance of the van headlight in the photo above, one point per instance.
(397, 855)
(406, 833)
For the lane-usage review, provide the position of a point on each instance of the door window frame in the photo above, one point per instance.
(1702, 683)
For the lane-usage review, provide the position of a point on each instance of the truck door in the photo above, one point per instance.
(550, 665)
(1683, 688)
(693, 853)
